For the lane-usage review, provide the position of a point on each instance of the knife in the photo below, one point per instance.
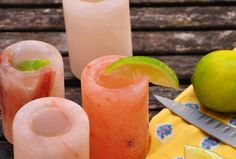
(209, 125)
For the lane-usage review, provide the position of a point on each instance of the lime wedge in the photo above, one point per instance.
(32, 65)
(191, 152)
(158, 72)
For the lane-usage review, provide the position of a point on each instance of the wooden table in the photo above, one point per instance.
(179, 32)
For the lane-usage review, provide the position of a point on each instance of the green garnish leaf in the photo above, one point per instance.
(32, 65)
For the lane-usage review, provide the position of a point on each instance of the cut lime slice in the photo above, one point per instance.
(191, 152)
(32, 65)
(158, 72)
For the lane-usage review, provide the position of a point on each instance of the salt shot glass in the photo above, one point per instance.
(51, 128)
(118, 112)
(96, 28)
(18, 87)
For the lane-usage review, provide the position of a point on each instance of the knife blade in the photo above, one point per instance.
(209, 125)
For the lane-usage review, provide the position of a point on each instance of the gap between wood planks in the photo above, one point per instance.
(133, 3)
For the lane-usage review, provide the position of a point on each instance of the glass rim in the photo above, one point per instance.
(139, 81)
(9, 52)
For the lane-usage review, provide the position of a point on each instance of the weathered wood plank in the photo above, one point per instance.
(58, 39)
(141, 18)
(1, 131)
(153, 113)
(38, 2)
(182, 65)
(144, 43)
(183, 17)
(6, 150)
(177, 1)
(31, 19)
(21, 2)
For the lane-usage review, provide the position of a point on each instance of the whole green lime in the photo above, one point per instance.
(214, 81)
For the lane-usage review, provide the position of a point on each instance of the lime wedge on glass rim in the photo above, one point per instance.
(32, 65)
(191, 152)
(157, 71)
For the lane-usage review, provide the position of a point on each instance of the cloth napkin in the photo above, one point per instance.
(169, 133)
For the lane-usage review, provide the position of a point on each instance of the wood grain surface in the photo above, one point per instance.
(43, 2)
(165, 18)
(6, 150)
(1, 131)
(144, 43)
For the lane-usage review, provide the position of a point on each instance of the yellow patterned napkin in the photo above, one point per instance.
(169, 133)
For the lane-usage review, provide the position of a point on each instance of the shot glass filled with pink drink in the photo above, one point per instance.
(95, 28)
(51, 128)
(17, 87)
(118, 112)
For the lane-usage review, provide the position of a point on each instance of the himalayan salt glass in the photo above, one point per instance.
(95, 28)
(19, 87)
(118, 112)
(51, 128)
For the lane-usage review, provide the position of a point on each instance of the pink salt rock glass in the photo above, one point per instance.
(19, 87)
(118, 112)
(51, 128)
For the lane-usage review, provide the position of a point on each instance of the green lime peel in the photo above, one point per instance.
(32, 65)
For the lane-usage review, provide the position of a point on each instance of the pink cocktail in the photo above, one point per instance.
(19, 87)
(51, 128)
(118, 112)
(95, 28)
